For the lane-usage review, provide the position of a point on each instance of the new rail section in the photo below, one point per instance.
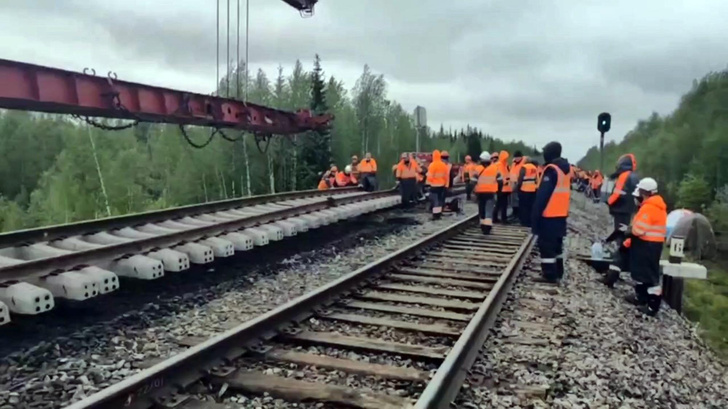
(79, 261)
(417, 317)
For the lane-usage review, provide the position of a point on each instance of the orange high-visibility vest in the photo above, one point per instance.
(486, 179)
(650, 222)
(437, 174)
(405, 171)
(528, 185)
(558, 204)
(506, 175)
(342, 179)
(619, 188)
(364, 167)
(514, 172)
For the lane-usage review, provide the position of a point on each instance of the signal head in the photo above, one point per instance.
(604, 122)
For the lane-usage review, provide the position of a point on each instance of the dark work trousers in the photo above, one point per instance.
(443, 194)
(437, 199)
(552, 257)
(526, 200)
(644, 261)
(596, 193)
(369, 182)
(408, 191)
(469, 189)
(486, 203)
(501, 207)
(644, 267)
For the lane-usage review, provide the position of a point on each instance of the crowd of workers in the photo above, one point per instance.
(356, 173)
(539, 197)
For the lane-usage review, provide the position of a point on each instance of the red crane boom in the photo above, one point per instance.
(36, 88)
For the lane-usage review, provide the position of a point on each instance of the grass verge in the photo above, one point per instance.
(706, 303)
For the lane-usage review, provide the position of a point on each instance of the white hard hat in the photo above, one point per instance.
(646, 184)
(347, 169)
(484, 155)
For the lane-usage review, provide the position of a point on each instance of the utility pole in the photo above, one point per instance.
(604, 122)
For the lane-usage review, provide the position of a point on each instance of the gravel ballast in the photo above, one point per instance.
(67, 366)
(596, 350)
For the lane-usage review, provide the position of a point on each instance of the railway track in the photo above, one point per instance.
(399, 332)
(80, 261)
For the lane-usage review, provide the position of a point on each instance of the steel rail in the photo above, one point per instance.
(40, 267)
(49, 233)
(164, 380)
(445, 384)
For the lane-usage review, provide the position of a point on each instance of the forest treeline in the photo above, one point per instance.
(685, 151)
(57, 169)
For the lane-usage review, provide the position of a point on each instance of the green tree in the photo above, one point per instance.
(316, 146)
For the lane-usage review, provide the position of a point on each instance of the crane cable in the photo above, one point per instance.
(215, 131)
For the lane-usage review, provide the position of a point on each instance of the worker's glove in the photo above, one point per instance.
(623, 228)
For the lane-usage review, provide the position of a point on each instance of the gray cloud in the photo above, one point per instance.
(528, 69)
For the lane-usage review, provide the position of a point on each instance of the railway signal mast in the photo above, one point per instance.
(604, 122)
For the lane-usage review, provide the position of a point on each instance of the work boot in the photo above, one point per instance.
(610, 279)
(639, 297)
(653, 305)
(485, 229)
(548, 274)
(437, 216)
(559, 268)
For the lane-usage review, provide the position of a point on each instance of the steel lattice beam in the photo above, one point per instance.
(36, 88)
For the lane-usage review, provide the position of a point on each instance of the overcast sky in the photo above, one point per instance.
(536, 70)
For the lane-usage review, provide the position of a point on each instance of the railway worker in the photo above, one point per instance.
(526, 188)
(368, 173)
(355, 166)
(466, 175)
(323, 183)
(346, 178)
(513, 173)
(550, 210)
(595, 183)
(454, 204)
(504, 190)
(645, 239)
(437, 180)
(328, 179)
(486, 187)
(406, 174)
(621, 205)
